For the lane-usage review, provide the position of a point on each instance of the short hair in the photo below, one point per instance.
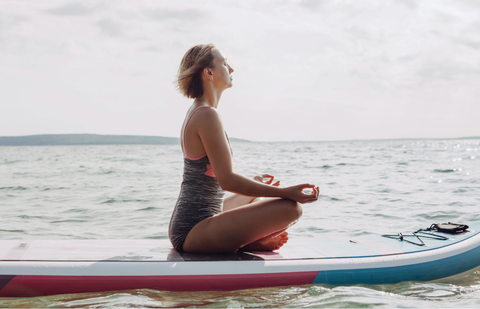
(189, 75)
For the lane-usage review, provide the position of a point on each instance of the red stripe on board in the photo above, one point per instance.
(31, 285)
(5, 279)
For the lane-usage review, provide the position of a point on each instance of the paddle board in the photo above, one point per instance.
(46, 267)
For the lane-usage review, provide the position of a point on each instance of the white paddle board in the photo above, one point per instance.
(46, 267)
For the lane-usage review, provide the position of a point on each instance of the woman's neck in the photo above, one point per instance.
(211, 96)
(204, 100)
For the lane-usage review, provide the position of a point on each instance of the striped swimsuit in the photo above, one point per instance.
(200, 196)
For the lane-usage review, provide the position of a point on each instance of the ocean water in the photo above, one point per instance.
(128, 191)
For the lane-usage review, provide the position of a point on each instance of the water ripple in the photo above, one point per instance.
(378, 187)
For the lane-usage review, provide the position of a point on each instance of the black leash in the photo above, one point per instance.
(449, 228)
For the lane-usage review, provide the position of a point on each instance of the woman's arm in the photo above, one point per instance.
(238, 200)
(210, 130)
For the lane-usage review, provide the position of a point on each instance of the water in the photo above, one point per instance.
(367, 187)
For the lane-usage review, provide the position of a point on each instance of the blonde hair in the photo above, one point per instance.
(189, 75)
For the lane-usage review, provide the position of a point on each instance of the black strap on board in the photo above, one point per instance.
(415, 238)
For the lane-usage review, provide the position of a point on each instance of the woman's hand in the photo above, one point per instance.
(303, 193)
(260, 178)
(298, 194)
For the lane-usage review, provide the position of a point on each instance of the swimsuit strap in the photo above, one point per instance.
(185, 128)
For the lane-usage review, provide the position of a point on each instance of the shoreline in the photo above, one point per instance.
(101, 139)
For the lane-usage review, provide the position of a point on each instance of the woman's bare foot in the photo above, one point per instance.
(267, 243)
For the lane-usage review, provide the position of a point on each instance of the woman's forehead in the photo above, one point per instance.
(219, 54)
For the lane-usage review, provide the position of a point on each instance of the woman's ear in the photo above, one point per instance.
(208, 73)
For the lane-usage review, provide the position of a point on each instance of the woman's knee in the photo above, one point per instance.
(293, 209)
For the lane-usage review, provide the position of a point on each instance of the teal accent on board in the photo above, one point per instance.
(427, 271)
(363, 247)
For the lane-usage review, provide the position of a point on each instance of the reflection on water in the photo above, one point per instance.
(405, 294)
(128, 192)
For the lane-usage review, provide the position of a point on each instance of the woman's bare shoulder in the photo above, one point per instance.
(208, 122)
(207, 110)
(208, 114)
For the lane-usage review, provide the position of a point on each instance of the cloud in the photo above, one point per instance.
(445, 70)
(150, 48)
(469, 3)
(475, 44)
(110, 27)
(360, 32)
(7, 23)
(9, 20)
(406, 58)
(474, 28)
(182, 15)
(72, 9)
(444, 18)
(470, 36)
(312, 4)
(410, 4)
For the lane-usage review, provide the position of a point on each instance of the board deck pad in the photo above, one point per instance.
(161, 249)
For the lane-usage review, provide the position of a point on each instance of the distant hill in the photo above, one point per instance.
(90, 139)
(97, 139)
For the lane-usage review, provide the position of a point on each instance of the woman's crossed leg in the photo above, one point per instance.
(259, 225)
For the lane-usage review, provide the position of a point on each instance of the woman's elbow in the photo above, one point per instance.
(226, 184)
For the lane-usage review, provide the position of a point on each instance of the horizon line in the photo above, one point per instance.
(290, 141)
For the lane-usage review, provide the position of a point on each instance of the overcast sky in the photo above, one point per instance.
(304, 70)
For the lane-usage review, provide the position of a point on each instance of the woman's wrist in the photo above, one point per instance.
(282, 192)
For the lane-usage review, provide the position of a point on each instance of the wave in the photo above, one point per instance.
(117, 200)
(148, 208)
(14, 188)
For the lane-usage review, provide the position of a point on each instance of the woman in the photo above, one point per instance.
(202, 221)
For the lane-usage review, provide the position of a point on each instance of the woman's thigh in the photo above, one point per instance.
(233, 229)
(236, 200)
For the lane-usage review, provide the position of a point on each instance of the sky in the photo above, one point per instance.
(305, 70)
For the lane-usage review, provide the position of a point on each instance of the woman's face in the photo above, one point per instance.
(221, 70)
